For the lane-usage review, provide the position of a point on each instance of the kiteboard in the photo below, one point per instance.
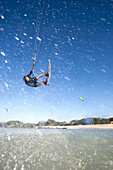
(49, 73)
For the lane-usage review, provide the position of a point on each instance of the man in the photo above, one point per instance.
(32, 81)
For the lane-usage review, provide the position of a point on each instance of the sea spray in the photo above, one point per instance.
(46, 149)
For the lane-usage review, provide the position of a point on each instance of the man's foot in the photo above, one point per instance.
(47, 74)
(45, 83)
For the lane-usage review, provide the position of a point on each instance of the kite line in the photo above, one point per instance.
(39, 30)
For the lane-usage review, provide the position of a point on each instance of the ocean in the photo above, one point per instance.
(56, 149)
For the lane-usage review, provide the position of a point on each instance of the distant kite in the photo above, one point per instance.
(81, 98)
(6, 109)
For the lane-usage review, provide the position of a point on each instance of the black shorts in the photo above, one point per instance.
(35, 82)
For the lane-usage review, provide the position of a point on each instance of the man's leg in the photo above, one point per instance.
(40, 76)
(41, 83)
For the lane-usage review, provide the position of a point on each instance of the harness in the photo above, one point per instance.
(32, 82)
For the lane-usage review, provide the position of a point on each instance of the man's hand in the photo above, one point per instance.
(34, 62)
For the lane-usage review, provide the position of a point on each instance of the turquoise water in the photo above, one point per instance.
(55, 149)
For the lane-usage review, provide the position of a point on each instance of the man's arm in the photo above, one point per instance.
(31, 71)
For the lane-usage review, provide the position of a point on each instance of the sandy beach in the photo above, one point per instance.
(102, 126)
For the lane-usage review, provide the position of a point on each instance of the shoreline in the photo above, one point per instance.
(99, 126)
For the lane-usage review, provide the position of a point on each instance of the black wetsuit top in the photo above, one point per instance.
(32, 81)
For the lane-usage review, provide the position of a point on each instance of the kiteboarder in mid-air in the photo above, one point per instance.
(32, 81)
(29, 79)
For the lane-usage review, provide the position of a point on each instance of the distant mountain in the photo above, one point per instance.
(51, 122)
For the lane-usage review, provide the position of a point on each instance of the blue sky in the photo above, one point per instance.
(77, 37)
